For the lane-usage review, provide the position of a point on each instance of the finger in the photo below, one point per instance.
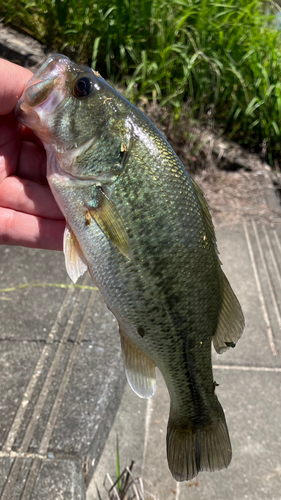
(32, 163)
(13, 81)
(29, 136)
(26, 196)
(12, 148)
(10, 137)
(30, 231)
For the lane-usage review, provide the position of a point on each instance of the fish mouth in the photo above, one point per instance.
(44, 92)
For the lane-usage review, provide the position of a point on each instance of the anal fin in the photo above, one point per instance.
(140, 369)
(231, 320)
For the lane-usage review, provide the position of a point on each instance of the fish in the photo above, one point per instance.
(142, 227)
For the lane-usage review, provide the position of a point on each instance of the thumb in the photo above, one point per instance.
(13, 80)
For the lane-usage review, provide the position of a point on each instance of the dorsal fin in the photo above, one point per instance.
(231, 320)
(140, 369)
(205, 208)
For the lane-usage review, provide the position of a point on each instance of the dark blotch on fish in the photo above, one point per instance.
(141, 331)
(230, 344)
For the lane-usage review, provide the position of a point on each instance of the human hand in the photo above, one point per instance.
(29, 215)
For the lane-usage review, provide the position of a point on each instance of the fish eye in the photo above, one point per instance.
(83, 86)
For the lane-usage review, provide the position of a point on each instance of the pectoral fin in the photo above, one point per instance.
(231, 320)
(140, 370)
(109, 220)
(74, 259)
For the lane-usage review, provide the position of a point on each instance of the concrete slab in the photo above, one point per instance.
(256, 289)
(252, 405)
(129, 427)
(61, 376)
(44, 479)
(27, 314)
(58, 479)
(157, 479)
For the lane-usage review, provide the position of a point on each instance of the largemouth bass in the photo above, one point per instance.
(142, 227)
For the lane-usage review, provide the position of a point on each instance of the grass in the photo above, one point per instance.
(125, 487)
(221, 58)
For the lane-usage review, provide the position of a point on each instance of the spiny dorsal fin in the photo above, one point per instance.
(109, 220)
(74, 259)
(140, 370)
(205, 208)
(231, 320)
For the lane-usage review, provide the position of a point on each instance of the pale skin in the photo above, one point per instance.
(29, 215)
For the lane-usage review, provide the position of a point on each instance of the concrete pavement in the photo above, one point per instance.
(61, 379)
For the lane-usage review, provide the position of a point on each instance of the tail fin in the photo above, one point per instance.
(191, 450)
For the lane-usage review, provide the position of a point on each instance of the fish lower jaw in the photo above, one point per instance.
(48, 106)
(27, 116)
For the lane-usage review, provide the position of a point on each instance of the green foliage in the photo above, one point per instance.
(221, 57)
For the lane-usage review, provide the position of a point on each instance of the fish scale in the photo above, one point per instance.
(142, 227)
